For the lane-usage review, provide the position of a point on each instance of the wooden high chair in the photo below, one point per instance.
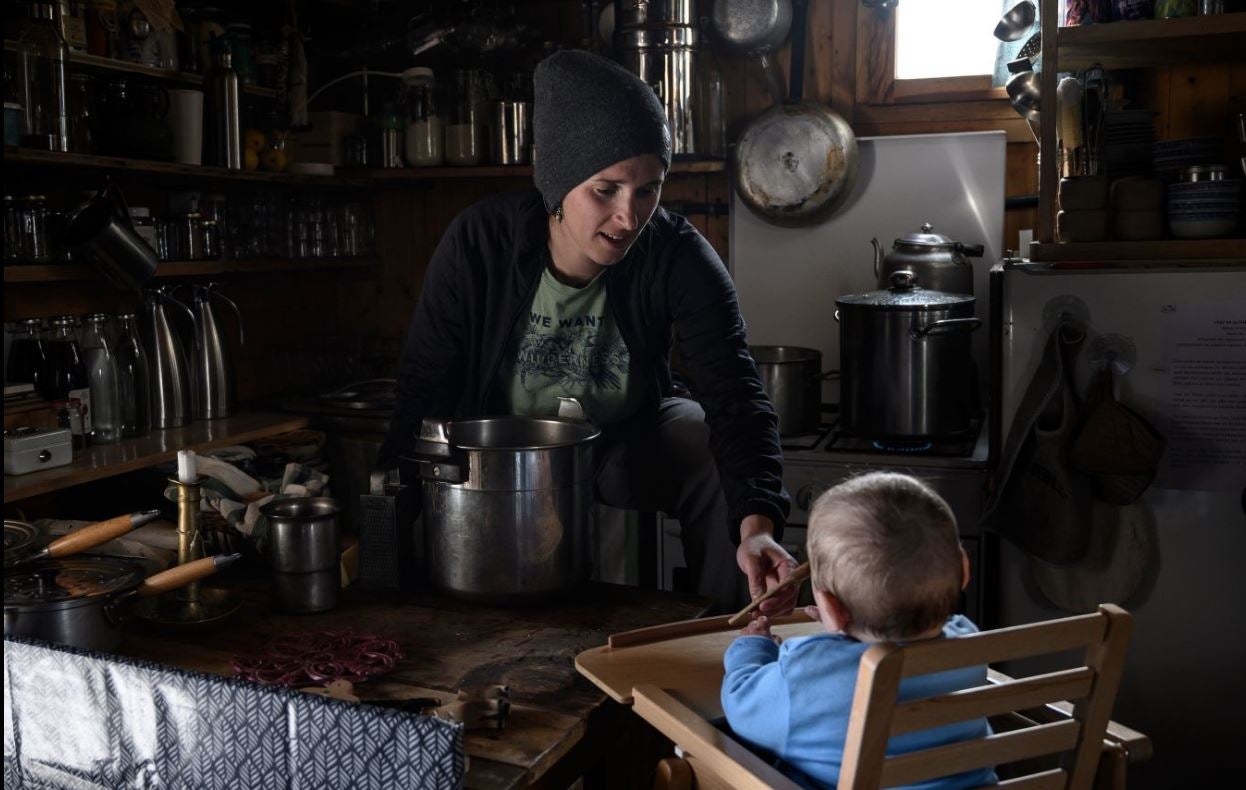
(672, 673)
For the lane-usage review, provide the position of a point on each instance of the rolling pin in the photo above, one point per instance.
(794, 580)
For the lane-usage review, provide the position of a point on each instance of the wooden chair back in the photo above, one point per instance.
(1076, 739)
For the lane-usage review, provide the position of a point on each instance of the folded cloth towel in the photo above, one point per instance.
(242, 508)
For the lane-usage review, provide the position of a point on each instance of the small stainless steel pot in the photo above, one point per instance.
(907, 371)
(82, 601)
(506, 505)
(792, 379)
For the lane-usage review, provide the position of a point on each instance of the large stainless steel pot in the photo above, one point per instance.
(82, 601)
(906, 368)
(506, 505)
(792, 379)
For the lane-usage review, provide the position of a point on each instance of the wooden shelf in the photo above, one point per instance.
(29, 158)
(343, 177)
(1151, 42)
(63, 272)
(1175, 251)
(500, 171)
(97, 63)
(108, 460)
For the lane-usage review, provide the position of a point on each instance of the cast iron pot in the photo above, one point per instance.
(506, 505)
(907, 370)
(792, 379)
(81, 601)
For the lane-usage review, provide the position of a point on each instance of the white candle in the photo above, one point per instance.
(186, 472)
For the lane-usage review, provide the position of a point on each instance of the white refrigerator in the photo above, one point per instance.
(1175, 338)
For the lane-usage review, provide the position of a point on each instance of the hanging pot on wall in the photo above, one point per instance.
(907, 370)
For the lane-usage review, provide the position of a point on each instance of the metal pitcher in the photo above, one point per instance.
(100, 231)
(166, 360)
(213, 389)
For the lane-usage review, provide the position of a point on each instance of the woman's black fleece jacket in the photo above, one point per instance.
(482, 278)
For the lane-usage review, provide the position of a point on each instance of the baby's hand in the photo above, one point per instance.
(759, 626)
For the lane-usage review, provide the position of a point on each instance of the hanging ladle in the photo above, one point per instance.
(1016, 22)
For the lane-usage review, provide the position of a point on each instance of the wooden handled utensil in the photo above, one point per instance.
(797, 577)
(93, 535)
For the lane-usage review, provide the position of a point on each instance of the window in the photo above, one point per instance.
(942, 38)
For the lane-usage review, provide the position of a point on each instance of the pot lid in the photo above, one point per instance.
(904, 295)
(926, 238)
(71, 578)
(18, 535)
(370, 395)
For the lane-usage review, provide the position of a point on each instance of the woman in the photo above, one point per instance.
(576, 290)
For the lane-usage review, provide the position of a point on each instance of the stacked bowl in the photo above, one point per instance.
(1204, 209)
(1169, 157)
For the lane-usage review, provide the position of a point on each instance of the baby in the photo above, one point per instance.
(886, 567)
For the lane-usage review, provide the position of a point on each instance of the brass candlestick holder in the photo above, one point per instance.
(193, 604)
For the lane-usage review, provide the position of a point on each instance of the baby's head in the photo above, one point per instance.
(885, 558)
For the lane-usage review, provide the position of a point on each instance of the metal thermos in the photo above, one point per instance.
(223, 121)
(213, 392)
(168, 371)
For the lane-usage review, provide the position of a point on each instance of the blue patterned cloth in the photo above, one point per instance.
(76, 719)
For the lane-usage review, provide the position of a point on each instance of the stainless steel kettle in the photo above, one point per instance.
(168, 371)
(937, 262)
(213, 388)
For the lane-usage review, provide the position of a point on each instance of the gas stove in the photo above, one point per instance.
(832, 444)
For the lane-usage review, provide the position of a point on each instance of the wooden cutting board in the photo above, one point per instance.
(685, 660)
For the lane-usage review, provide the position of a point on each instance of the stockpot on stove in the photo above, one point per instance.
(907, 371)
(506, 504)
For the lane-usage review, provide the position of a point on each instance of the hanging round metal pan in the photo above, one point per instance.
(796, 162)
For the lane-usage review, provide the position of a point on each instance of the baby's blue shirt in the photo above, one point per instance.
(794, 701)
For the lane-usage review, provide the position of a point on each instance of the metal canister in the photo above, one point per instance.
(512, 132)
(665, 59)
(303, 553)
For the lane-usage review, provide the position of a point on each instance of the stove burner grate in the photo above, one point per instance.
(902, 447)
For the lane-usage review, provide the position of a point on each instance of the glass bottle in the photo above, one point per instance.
(27, 357)
(711, 114)
(66, 377)
(425, 143)
(101, 366)
(45, 59)
(464, 130)
(133, 380)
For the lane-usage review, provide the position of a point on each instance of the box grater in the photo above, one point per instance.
(390, 541)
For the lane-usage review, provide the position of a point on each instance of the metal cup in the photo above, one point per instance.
(302, 534)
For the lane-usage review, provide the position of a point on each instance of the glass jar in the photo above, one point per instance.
(66, 375)
(464, 130)
(425, 140)
(711, 113)
(1170, 9)
(101, 365)
(27, 357)
(44, 64)
(132, 380)
(71, 22)
(33, 218)
(81, 140)
(12, 231)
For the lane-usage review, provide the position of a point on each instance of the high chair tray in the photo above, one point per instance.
(683, 658)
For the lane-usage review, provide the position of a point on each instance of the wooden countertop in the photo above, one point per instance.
(559, 722)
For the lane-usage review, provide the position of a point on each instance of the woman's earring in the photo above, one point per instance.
(558, 214)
